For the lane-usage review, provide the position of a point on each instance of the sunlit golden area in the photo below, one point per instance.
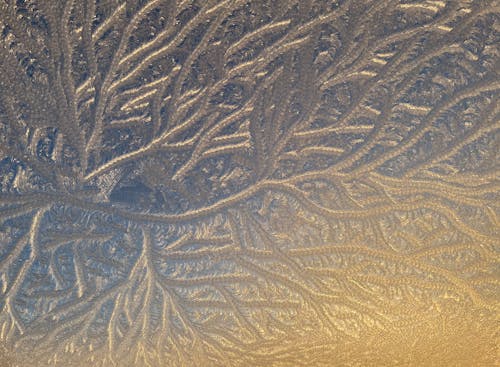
(249, 183)
(467, 338)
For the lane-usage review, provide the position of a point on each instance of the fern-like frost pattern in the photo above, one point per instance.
(249, 182)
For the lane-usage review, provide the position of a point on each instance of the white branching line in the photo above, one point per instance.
(23, 272)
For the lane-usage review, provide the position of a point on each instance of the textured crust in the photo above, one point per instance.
(249, 183)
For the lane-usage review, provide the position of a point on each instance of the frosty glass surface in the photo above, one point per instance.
(249, 183)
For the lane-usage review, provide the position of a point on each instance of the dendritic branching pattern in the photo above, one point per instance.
(249, 182)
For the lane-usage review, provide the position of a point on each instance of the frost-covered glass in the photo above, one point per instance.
(249, 183)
